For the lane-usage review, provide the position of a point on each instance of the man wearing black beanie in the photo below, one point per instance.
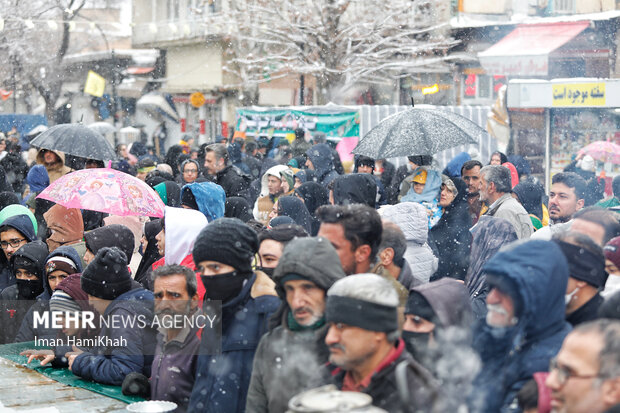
(223, 254)
(587, 275)
(126, 343)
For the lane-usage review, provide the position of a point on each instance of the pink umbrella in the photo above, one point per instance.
(602, 151)
(105, 190)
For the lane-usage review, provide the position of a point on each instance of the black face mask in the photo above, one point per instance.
(268, 271)
(417, 344)
(29, 289)
(223, 287)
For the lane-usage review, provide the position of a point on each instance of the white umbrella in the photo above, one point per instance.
(36, 130)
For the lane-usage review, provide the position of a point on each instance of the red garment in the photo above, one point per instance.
(348, 383)
(514, 175)
(189, 263)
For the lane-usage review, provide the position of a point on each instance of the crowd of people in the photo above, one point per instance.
(466, 289)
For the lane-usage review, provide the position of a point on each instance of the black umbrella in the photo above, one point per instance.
(77, 140)
(418, 132)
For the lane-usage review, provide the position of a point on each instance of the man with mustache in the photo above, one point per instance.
(290, 354)
(365, 346)
(174, 366)
(525, 324)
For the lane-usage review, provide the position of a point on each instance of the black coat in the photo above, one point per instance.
(451, 238)
(234, 182)
(383, 389)
(587, 312)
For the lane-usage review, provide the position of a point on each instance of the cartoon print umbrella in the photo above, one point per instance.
(105, 190)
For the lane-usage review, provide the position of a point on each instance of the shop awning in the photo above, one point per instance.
(525, 51)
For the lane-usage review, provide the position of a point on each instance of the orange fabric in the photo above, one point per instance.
(66, 224)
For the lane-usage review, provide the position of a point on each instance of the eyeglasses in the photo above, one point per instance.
(190, 171)
(13, 243)
(564, 373)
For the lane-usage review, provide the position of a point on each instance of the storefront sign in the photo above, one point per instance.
(576, 95)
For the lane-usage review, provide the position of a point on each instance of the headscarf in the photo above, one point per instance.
(294, 207)
(150, 253)
(314, 195)
(238, 207)
(530, 196)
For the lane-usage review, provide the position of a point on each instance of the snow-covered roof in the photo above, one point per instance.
(141, 57)
(468, 20)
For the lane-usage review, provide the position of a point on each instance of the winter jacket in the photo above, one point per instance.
(386, 175)
(451, 237)
(489, 235)
(210, 198)
(150, 253)
(23, 224)
(182, 226)
(422, 389)
(265, 201)
(37, 179)
(451, 359)
(300, 147)
(238, 207)
(254, 165)
(509, 208)
(174, 367)
(16, 170)
(411, 218)
(355, 189)
(222, 380)
(587, 312)
(285, 364)
(453, 169)
(110, 364)
(169, 192)
(321, 157)
(233, 181)
(56, 170)
(539, 272)
(14, 307)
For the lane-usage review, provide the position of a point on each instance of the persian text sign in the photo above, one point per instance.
(578, 95)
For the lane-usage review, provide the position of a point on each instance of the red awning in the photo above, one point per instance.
(525, 51)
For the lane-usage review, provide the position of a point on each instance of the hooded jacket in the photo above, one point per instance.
(431, 187)
(238, 207)
(24, 225)
(539, 271)
(65, 224)
(114, 235)
(56, 170)
(488, 236)
(13, 307)
(314, 196)
(298, 354)
(26, 330)
(222, 380)
(181, 227)
(321, 157)
(451, 237)
(210, 198)
(37, 179)
(111, 364)
(265, 201)
(411, 218)
(355, 189)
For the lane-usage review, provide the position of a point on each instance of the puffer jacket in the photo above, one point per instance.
(411, 218)
(539, 272)
(210, 198)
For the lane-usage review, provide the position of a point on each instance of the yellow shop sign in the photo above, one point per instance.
(575, 95)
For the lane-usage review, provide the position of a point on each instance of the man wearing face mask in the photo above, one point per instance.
(28, 265)
(223, 253)
(438, 318)
(586, 264)
(524, 326)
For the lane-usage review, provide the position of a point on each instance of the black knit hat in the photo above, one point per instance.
(107, 276)
(228, 241)
(114, 235)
